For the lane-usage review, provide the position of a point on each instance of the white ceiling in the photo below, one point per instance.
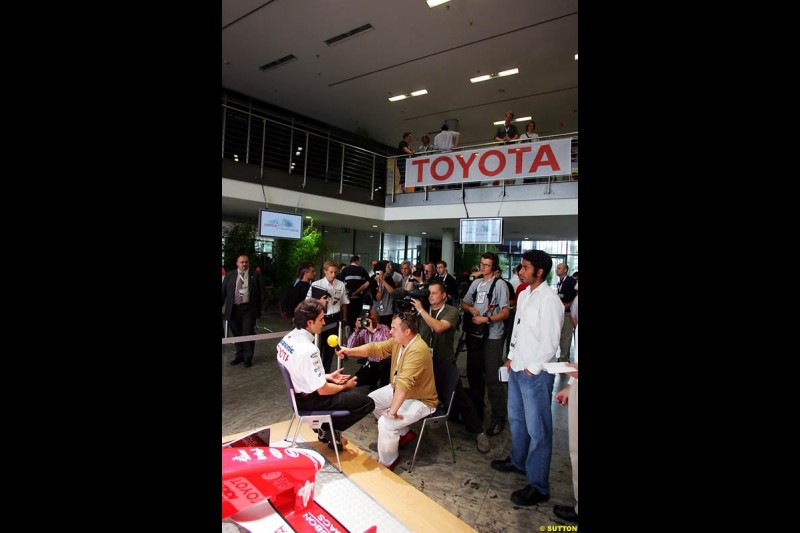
(411, 47)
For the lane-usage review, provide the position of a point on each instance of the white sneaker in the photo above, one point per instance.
(483, 442)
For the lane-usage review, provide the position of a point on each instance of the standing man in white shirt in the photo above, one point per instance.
(534, 341)
(336, 295)
(446, 140)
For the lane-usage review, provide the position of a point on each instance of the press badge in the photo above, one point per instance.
(481, 298)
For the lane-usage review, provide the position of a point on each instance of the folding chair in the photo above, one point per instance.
(446, 376)
(314, 418)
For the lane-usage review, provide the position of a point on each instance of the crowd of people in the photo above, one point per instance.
(400, 323)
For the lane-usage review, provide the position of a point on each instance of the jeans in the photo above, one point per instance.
(531, 423)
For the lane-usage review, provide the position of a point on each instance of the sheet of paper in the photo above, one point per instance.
(558, 368)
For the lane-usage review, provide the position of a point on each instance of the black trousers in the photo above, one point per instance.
(243, 322)
(358, 403)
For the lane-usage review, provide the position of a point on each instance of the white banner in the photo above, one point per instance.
(507, 161)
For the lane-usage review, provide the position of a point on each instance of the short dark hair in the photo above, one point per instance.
(445, 126)
(539, 259)
(409, 319)
(307, 310)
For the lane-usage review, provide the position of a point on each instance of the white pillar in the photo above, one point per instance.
(447, 249)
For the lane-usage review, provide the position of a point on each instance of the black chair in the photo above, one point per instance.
(446, 376)
(314, 418)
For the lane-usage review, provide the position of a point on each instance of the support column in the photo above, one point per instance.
(448, 249)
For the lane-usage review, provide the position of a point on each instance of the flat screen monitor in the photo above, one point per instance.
(282, 225)
(481, 231)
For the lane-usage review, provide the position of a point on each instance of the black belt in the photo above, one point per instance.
(335, 317)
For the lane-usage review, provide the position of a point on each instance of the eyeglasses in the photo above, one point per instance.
(486, 265)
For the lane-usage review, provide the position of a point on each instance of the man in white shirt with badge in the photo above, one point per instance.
(335, 295)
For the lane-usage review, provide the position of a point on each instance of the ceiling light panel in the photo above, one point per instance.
(493, 75)
(434, 3)
(408, 95)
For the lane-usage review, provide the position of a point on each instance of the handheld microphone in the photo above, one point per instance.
(333, 342)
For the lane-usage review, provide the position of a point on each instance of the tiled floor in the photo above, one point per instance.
(469, 488)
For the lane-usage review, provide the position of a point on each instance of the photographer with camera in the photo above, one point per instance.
(382, 284)
(437, 328)
(368, 329)
(485, 308)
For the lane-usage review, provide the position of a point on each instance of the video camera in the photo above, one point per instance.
(418, 271)
(402, 299)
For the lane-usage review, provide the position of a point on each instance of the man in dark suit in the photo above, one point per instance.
(244, 296)
(566, 293)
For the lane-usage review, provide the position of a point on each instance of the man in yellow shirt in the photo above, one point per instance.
(411, 393)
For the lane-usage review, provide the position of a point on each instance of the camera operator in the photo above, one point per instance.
(368, 329)
(382, 284)
(437, 328)
(335, 300)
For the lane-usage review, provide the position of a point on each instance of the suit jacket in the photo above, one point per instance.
(258, 292)
(567, 291)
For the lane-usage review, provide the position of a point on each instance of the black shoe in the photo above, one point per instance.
(528, 496)
(338, 436)
(248, 363)
(236, 361)
(322, 435)
(494, 429)
(505, 465)
(565, 512)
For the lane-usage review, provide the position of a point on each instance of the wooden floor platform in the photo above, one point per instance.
(408, 505)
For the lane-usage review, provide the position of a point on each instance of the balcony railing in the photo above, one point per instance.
(255, 139)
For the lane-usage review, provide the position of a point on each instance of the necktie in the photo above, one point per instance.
(237, 299)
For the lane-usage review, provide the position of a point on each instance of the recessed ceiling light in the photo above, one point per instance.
(424, 232)
(434, 3)
(374, 225)
(493, 75)
(408, 95)
(576, 57)
(527, 238)
(523, 119)
(308, 216)
(498, 123)
(480, 78)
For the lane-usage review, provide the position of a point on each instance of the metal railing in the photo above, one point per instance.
(256, 139)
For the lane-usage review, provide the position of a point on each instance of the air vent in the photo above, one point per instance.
(349, 34)
(277, 62)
